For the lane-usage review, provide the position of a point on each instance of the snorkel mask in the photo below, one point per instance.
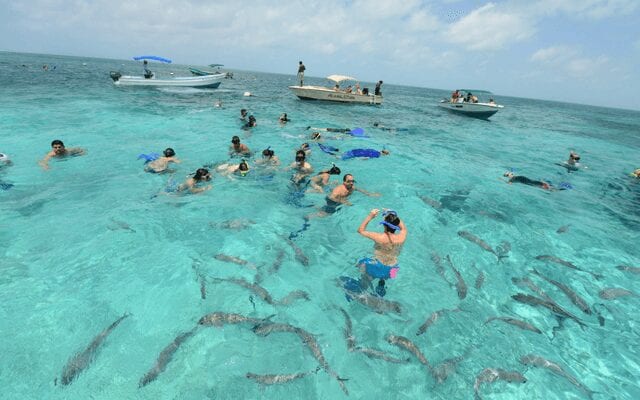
(387, 212)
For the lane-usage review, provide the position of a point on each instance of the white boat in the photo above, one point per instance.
(468, 104)
(334, 93)
(205, 81)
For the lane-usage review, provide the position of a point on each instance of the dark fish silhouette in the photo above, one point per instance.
(567, 264)
(515, 322)
(461, 286)
(165, 357)
(81, 361)
(573, 296)
(490, 375)
(279, 378)
(537, 361)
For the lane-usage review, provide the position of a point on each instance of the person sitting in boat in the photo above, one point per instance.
(358, 90)
(454, 96)
(283, 118)
(237, 148)
(336, 87)
(349, 89)
(147, 72)
(474, 99)
(492, 102)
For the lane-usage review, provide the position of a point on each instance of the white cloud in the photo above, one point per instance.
(490, 28)
(584, 9)
(568, 61)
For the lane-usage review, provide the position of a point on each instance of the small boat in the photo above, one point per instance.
(199, 72)
(466, 103)
(335, 93)
(205, 81)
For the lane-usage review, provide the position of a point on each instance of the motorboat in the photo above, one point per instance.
(466, 103)
(199, 72)
(205, 81)
(335, 93)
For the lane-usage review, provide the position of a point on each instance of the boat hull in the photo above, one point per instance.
(206, 81)
(475, 110)
(326, 94)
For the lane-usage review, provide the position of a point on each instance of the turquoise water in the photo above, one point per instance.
(90, 240)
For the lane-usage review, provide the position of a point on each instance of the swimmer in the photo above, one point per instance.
(574, 159)
(227, 169)
(243, 114)
(306, 149)
(5, 161)
(59, 151)
(386, 249)
(301, 166)
(340, 196)
(218, 104)
(237, 148)
(636, 173)
(523, 179)
(251, 123)
(321, 180)
(284, 119)
(269, 158)
(161, 164)
(195, 183)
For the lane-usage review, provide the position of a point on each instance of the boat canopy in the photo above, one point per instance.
(216, 65)
(340, 78)
(475, 91)
(154, 58)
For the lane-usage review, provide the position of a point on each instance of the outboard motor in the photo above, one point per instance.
(115, 75)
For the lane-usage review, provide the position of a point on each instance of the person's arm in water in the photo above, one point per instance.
(44, 163)
(368, 193)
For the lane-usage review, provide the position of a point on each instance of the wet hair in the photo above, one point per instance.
(243, 166)
(252, 118)
(169, 152)
(57, 141)
(268, 152)
(392, 219)
(243, 111)
(300, 155)
(200, 173)
(344, 178)
(334, 170)
(235, 139)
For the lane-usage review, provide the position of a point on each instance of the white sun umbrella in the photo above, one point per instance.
(340, 78)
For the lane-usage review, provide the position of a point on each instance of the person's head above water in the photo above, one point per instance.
(334, 170)
(235, 140)
(168, 152)
(268, 152)
(300, 156)
(202, 174)
(391, 221)
(348, 180)
(58, 146)
(574, 156)
(243, 167)
(508, 174)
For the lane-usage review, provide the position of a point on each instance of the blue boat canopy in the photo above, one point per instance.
(154, 58)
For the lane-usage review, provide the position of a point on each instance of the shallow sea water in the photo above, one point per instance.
(96, 237)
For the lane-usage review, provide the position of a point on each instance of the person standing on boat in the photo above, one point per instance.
(301, 69)
(148, 74)
(377, 91)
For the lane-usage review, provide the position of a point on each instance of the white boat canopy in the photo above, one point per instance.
(340, 78)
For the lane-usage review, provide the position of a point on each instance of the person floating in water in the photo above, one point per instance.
(302, 167)
(269, 158)
(321, 180)
(243, 114)
(512, 178)
(5, 161)
(227, 169)
(238, 149)
(636, 173)
(195, 184)
(364, 153)
(251, 122)
(161, 164)
(58, 150)
(386, 249)
(283, 118)
(340, 196)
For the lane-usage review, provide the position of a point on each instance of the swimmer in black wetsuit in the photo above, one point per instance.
(523, 179)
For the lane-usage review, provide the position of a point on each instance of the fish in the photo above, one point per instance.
(526, 282)
(614, 293)
(299, 254)
(461, 286)
(563, 229)
(219, 318)
(233, 224)
(432, 318)
(432, 202)
(234, 260)
(555, 308)
(573, 296)
(538, 361)
(474, 239)
(490, 375)
(503, 249)
(409, 346)
(81, 361)
(439, 268)
(312, 344)
(479, 280)
(253, 303)
(374, 353)
(295, 295)
(116, 224)
(165, 357)
(257, 289)
(567, 264)
(279, 378)
(277, 262)
(628, 268)
(348, 330)
(376, 303)
(442, 371)
(265, 328)
(515, 322)
(203, 288)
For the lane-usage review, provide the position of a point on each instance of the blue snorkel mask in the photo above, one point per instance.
(389, 224)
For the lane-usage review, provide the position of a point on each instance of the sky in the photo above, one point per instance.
(578, 51)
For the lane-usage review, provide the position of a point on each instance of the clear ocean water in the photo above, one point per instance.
(90, 240)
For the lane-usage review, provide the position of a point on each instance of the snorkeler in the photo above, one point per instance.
(59, 151)
(283, 118)
(636, 173)
(269, 158)
(306, 149)
(340, 196)
(321, 180)
(387, 247)
(195, 183)
(237, 148)
(523, 179)
(227, 169)
(302, 167)
(251, 123)
(161, 164)
(243, 114)
(5, 161)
